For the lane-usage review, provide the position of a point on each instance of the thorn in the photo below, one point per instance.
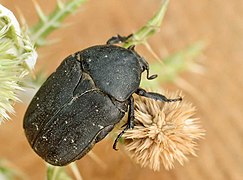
(60, 4)
(56, 25)
(21, 16)
(69, 24)
(39, 11)
(53, 41)
(41, 42)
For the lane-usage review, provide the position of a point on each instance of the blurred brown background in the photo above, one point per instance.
(218, 94)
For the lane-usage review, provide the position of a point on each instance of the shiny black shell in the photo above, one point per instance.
(79, 104)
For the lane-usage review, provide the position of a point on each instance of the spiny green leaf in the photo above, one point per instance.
(7, 172)
(174, 64)
(40, 13)
(60, 4)
(151, 27)
(49, 23)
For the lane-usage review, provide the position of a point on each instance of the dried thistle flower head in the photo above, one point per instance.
(163, 132)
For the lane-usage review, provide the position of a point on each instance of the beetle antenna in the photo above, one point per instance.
(152, 76)
(145, 66)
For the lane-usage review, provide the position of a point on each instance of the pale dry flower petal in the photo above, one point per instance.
(163, 132)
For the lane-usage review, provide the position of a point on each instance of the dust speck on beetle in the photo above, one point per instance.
(36, 126)
(44, 137)
(78, 57)
(100, 126)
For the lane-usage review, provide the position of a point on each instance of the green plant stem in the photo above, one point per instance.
(49, 23)
(151, 27)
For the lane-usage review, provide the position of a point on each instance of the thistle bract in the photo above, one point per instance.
(17, 58)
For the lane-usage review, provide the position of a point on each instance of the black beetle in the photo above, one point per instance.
(80, 103)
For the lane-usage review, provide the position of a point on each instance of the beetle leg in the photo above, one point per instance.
(118, 39)
(102, 134)
(131, 113)
(155, 96)
(130, 122)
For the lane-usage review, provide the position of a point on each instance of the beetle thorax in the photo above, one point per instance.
(114, 70)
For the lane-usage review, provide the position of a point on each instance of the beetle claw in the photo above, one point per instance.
(132, 47)
(174, 100)
(118, 39)
(119, 136)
